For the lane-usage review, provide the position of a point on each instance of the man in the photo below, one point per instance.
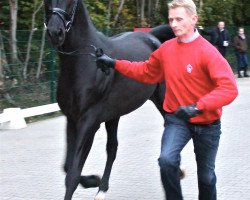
(219, 37)
(240, 45)
(199, 82)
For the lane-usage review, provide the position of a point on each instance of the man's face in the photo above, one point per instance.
(241, 31)
(221, 25)
(181, 22)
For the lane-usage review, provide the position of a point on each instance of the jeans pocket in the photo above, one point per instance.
(213, 129)
(170, 118)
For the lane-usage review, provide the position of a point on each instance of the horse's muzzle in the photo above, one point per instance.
(56, 32)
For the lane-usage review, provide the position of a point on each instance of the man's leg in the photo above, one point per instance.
(238, 58)
(206, 142)
(176, 135)
(245, 63)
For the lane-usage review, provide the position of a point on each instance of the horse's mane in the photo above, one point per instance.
(120, 35)
(162, 32)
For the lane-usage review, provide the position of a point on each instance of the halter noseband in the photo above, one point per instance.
(66, 18)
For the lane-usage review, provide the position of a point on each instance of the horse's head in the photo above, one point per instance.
(59, 16)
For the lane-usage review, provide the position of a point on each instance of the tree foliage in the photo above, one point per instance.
(104, 13)
(24, 58)
(119, 14)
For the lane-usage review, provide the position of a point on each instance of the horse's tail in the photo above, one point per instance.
(162, 32)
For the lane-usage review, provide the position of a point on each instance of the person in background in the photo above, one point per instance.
(199, 82)
(219, 37)
(240, 45)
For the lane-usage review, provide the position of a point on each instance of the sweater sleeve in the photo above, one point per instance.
(225, 88)
(149, 71)
(236, 43)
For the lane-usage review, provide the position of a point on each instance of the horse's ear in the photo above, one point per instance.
(71, 4)
(46, 5)
(47, 10)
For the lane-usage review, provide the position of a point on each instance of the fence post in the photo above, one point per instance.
(15, 119)
(52, 70)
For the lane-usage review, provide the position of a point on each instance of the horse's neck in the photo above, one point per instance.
(82, 35)
(83, 31)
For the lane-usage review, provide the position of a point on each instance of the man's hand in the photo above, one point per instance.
(104, 62)
(187, 112)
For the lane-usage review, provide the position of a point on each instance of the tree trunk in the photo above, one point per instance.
(138, 11)
(142, 12)
(32, 30)
(119, 11)
(149, 9)
(109, 13)
(13, 27)
(156, 10)
(201, 5)
(2, 61)
(41, 54)
(5, 83)
(157, 5)
(2, 56)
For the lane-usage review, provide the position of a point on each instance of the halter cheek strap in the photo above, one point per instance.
(64, 16)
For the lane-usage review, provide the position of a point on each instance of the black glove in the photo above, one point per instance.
(187, 112)
(104, 61)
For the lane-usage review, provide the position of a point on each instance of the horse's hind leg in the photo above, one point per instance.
(158, 97)
(111, 147)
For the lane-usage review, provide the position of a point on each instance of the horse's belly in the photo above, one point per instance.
(125, 98)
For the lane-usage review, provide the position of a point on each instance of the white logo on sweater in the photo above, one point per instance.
(189, 68)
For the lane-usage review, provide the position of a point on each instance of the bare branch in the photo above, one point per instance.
(41, 54)
(30, 39)
(119, 11)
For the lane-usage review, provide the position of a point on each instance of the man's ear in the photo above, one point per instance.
(194, 19)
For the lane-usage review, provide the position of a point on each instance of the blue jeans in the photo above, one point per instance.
(242, 61)
(205, 138)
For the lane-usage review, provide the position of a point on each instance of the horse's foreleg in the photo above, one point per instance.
(83, 143)
(85, 181)
(111, 147)
(70, 144)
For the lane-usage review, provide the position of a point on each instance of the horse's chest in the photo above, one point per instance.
(75, 100)
(66, 99)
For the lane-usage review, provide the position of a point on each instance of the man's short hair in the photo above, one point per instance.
(189, 6)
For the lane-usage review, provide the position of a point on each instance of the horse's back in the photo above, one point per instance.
(134, 46)
(162, 32)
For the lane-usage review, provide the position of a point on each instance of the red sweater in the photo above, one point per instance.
(193, 72)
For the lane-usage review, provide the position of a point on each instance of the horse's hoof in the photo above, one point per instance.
(100, 195)
(90, 181)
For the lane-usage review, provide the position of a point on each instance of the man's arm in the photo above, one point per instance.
(225, 88)
(149, 71)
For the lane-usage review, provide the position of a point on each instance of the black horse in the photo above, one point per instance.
(89, 96)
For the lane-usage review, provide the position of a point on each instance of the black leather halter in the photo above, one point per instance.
(66, 18)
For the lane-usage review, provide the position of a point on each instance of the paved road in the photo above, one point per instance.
(31, 158)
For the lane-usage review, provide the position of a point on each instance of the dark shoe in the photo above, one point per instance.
(245, 72)
(239, 76)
